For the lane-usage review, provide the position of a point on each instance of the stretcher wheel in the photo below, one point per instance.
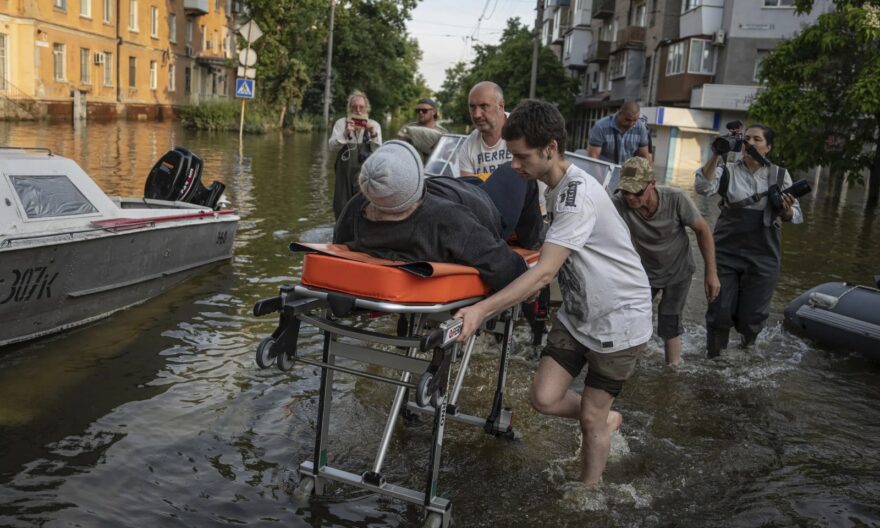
(305, 487)
(265, 355)
(433, 520)
(285, 362)
(422, 394)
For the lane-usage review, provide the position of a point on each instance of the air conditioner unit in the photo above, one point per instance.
(100, 57)
(719, 37)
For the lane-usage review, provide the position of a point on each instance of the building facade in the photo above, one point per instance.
(113, 58)
(692, 64)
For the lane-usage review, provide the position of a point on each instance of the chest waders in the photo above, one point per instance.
(346, 169)
(747, 255)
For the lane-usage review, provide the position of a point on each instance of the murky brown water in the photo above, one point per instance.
(158, 416)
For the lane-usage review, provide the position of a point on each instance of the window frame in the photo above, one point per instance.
(59, 4)
(172, 77)
(133, 16)
(154, 22)
(85, 8)
(108, 11)
(4, 62)
(172, 28)
(617, 68)
(85, 71)
(777, 4)
(132, 72)
(706, 45)
(154, 75)
(59, 58)
(108, 68)
(690, 5)
(681, 45)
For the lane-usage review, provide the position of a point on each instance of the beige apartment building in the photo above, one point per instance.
(113, 58)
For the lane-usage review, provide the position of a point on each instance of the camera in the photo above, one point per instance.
(732, 142)
(797, 189)
(359, 123)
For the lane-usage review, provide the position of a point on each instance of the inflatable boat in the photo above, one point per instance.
(840, 316)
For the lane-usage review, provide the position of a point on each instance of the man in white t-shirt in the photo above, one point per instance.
(605, 319)
(484, 150)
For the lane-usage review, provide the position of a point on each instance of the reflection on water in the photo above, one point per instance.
(158, 416)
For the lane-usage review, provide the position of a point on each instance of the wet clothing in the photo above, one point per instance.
(456, 222)
(617, 146)
(605, 291)
(350, 156)
(747, 251)
(672, 301)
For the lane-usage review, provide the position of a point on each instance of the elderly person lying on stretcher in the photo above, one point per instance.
(400, 215)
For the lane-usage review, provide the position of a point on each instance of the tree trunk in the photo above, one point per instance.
(283, 113)
(874, 176)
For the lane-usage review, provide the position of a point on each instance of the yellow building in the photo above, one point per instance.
(81, 58)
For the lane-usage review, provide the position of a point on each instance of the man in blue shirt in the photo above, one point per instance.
(620, 136)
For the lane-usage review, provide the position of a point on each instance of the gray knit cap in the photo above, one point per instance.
(393, 178)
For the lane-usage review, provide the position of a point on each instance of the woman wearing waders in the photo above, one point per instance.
(747, 234)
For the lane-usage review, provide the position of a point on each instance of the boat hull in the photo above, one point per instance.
(840, 316)
(47, 288)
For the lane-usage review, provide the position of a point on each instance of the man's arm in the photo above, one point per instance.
(524, 287)
(645, 152)
(707, 248)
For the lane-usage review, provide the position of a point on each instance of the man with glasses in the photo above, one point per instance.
(425, 131)
(657, 217)
(427, 116)
(354, 137)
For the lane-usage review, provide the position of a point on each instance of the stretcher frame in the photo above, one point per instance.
(324, 310)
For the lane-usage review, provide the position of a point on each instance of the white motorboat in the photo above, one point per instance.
(69, 254)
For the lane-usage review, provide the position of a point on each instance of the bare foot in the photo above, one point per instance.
(614, 420)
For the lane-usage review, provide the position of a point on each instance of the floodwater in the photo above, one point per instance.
(159, 416)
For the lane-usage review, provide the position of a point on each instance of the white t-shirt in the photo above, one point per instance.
(480, 160)
(337, 136)
(605, 291)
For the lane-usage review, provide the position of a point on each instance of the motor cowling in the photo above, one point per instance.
(177, 176)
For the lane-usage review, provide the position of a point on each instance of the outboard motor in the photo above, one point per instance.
(177, 176)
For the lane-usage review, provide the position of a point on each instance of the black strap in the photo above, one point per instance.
(723, 185)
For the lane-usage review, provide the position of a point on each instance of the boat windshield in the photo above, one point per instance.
(48, 196)
(444, 159)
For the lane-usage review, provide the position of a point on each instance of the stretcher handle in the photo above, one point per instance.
(444, 336)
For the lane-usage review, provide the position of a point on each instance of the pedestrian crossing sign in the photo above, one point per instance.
(244, 88)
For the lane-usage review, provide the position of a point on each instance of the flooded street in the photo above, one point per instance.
(159, 416)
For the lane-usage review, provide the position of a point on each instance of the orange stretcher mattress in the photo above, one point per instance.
(334, 267)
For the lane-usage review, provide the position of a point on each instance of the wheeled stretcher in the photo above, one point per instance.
(340, 291)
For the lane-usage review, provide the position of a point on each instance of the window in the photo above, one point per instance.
(154, 21)
(108, 69)
(641, 17)
(759, 60)
(108, 10)
(646, 72)
(204, 37)
(154, 75)
(84, 74)
(617, 65)
(778, 3)
(189, 32)
(172, 28)
(675, 58)
(85, 8)
(133, 15)
(216, 6)
(48, 196)
(702, 57)
(58, 59)
(187, 80)
(214, 41)
(3, 65)
(60, 4)
(132, 72)
(687, 5)
(172, 77)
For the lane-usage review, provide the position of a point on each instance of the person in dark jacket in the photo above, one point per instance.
(399, 215)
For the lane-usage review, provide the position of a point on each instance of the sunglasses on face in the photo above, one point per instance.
(422, 110)
(634, 194)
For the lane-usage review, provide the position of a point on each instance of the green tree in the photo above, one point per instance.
(508, 64)
(822, 94)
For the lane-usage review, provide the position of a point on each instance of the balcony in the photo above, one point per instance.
(196, 7)
(630, 37)
(702, 20)
(603, 9)
(599, 51)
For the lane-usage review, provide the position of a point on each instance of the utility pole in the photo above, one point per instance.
(329, 66)
(536, 48)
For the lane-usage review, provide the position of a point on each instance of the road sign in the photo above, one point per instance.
(250, 32)
(247, 73)
(247, 57)
(244, 88)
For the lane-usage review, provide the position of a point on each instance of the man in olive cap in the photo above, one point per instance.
(656, 216)
(400, 215)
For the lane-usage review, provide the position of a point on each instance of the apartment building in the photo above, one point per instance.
(692, 64)
(113, 58)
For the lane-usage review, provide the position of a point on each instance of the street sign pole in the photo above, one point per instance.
(243, 101)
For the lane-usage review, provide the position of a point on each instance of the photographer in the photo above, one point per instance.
(355, 136)
(747, 233)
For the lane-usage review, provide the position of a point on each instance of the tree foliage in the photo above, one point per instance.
(822, 94)
(508, 64)
(371, 52)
